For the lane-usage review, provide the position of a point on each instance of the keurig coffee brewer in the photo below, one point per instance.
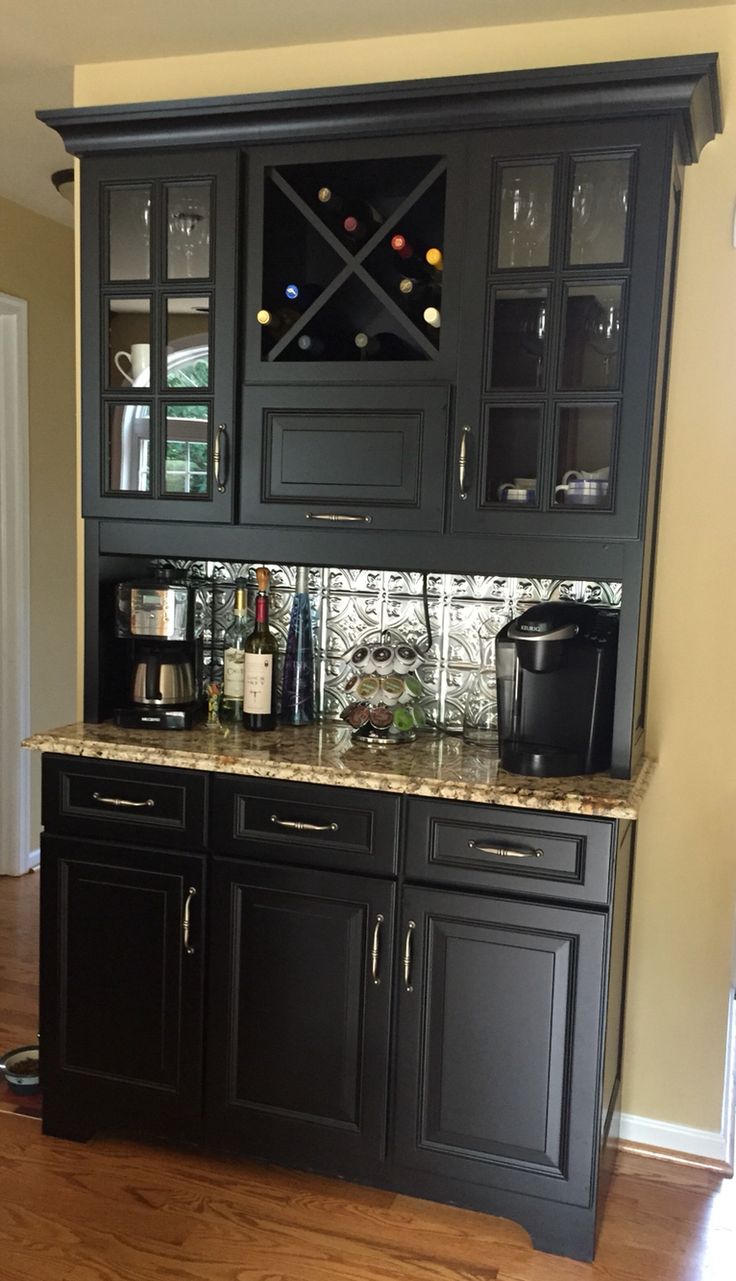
(163, 655)
(555, 677)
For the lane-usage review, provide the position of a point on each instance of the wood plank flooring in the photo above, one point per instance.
(115, 1210)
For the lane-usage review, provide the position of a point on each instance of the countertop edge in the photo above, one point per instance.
(527, 794)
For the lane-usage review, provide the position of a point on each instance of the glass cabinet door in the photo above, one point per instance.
(548, 361)
(157, 413)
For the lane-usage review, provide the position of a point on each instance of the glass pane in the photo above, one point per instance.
(129, 220)
(592, 343)
(187, 450)
(584, 451)
(188, 342)
(519, 338)
(188, 231)
(512, 451)
(128, 342)
(128, 448)
(599, 203)
(526, 212)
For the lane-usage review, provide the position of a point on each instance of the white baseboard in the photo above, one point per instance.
(34, 860)
(709, 1144)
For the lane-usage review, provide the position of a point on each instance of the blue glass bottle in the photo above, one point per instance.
(297, 692)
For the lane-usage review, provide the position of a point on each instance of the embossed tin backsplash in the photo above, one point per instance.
(352, 604)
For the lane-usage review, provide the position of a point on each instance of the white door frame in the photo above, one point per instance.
(15, 698)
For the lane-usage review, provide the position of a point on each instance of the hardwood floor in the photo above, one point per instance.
(115, 1210)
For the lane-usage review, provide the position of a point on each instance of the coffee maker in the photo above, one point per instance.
(555, 680)
(163, 656)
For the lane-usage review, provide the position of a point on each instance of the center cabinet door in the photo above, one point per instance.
(499, 1032)
(299, 1014)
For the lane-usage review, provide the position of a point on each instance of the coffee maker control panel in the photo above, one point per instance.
(163, 613)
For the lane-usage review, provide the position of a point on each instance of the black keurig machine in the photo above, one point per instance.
(555, 677)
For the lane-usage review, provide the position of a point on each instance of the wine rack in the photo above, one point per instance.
(353, 261)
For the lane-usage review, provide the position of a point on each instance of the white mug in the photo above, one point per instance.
(580, 474)
(138, 360)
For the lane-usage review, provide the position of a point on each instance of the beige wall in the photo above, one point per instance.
(37, 264)
(685, 888)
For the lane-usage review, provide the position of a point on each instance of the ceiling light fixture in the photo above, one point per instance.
(63, 180)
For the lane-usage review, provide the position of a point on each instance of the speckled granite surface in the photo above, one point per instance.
(433, 766)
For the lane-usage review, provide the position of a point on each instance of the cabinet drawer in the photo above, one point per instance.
(305, 824)
(523, 851)
(142, 804)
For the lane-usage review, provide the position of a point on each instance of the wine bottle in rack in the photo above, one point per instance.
(382, 346)
(277, 320)
(360, 221)
(311, 345)
(418, 292)
(432, 316)
(435, 258)
(419, 260)
(301, 295)
(259, 684)
(331, 202)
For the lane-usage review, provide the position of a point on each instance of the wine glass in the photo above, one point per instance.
(189, 231)
(524, 220)
(603, 333)
(532, 336)
(586, 223)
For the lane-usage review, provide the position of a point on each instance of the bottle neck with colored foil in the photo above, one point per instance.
(262, 612)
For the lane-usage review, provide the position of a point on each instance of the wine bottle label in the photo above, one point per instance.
(233, 673)
(257, 685)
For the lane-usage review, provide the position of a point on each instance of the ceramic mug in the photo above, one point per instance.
(582, 493)
(138, 361)
(579, 474)
(515, 493)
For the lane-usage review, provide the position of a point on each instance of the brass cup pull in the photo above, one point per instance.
(185, 924)
(504, 851)
(462, 461)
(408, 955)
(222, 457)
(338, 516)
(120, 802)
(296, 825)
(376, 950)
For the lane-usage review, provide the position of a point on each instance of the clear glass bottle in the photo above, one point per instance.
(259, 694)
(297, 693)
(231, 703)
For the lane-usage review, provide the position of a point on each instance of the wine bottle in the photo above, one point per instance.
(435, 258)
(419, 292)
(311, 345)
(382, 346)
(277, 321)
(331, 201)
(297, 694)
(360, 222)
(432, 316)
(259, 686)
(424, 261)
(231, 703)
(302, 295)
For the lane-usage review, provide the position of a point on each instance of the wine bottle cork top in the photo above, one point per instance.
(434, 257)
(263, 577)
(263, 316)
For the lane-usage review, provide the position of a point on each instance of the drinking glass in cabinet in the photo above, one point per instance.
(188, 342)
(519, 338)
(525, 215)
(512, 439)
(592, 341)
(585, 437)
(188, 231)
(599, 206)
(129, 233)
(128, 343)
(186, 449)
(128, 440)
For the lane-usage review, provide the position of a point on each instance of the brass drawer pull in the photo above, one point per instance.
(185, 924)
(119, 801)
(504, 851)
(407, 956)
(376, 950)
(463, 461)
(296, 825)
(337, 516)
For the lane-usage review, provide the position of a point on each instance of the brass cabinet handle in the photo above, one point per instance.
(185, 924)
(463, 460)
(376, 949)
(221, 452)
(297, 825)
(407, 956)
(338, 516)
(119, 801)
(504, 851)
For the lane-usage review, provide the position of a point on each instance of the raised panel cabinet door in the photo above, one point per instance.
(158, 328)
(121, 984)
(355, 458)
(500, 1007)
(299, 1005)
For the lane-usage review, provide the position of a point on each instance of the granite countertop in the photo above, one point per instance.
(443, 766)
